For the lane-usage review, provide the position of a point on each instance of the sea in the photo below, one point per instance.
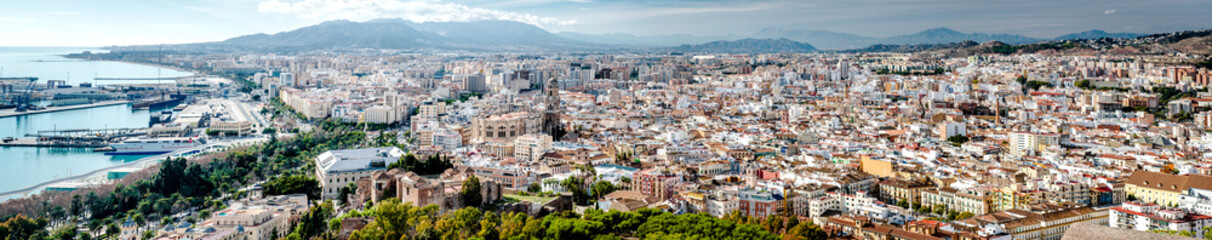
(27, 166)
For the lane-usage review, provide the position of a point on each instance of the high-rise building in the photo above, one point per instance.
(476, 83)
(288, 79)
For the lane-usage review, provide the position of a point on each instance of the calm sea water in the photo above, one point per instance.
(26, 166)
(46, 64)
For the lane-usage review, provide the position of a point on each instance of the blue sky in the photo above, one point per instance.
(128, 22)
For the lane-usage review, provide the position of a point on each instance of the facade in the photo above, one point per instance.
(1044, 222)
(894, 190)
(657, 182)
(950, 128)
(446, 139)
(476, 83)
(1148, 216)
(1165, 189)
(1026, 143)
(338, 168)
(505, 127)
(531, 146)
(758, 203)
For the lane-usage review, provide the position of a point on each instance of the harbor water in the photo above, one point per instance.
(27, 166)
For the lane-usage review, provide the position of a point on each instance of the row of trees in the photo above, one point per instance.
(938, 209)
(435, 164)
(395, 220)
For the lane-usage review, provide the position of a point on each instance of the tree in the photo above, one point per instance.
(345, 192)
(294, 184)
(1083, 84)
(471, 192)
(964, 215)
(575, 185)
(601, 188)
(313, 222)
(957, 140)
(149, 234)
(806, 230)
(112, 230)
(534, 188)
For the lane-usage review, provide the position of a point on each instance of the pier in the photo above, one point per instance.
(74, 138)
(88, 135)
(14, 112)
(142, 78)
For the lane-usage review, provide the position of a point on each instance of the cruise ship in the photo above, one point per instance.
(153, 145)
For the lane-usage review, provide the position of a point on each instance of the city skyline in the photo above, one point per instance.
(86, 23)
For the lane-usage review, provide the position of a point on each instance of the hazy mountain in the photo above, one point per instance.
(401, 34)
(820, 38)
(341, 33)
(946, 35)
(1096, 34)
(491, 32)
(646, 41)
(839, 41)
(749, 45)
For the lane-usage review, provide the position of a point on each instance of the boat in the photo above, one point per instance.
(9, 139)
(153, 145)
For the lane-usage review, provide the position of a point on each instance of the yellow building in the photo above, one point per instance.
(878, 167)
(1163, 188)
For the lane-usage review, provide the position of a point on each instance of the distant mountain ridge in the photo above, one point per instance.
(402, 34)
(646, 41)
(841, 41)
(1097, 34)
(749, 45)
(516, 36)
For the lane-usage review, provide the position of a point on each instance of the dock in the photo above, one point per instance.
(33, 142)
(13, 112)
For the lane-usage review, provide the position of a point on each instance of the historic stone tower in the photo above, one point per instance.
(551, 116)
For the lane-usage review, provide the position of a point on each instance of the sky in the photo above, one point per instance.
(139, 22)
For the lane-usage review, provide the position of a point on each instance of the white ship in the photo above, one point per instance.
(153, 145)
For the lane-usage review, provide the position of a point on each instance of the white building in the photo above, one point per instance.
(531, 146)
(447, 139)
(951, 128)
(338, 168)
(1148, 216)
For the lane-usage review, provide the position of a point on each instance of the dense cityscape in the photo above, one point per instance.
(344, 130)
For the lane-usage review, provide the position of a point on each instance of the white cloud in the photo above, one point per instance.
(412, 10)
(1109, 11)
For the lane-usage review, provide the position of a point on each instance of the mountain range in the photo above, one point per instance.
(516, 36)
(749, 45)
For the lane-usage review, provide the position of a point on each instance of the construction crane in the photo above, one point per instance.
(22, 100)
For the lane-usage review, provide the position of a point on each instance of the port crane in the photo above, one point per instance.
(22, 100)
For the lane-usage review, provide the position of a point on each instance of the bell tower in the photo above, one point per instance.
(551, 114)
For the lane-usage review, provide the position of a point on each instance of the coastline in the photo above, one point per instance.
(174, 68)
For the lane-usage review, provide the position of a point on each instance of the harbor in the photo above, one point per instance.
(67, 96)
